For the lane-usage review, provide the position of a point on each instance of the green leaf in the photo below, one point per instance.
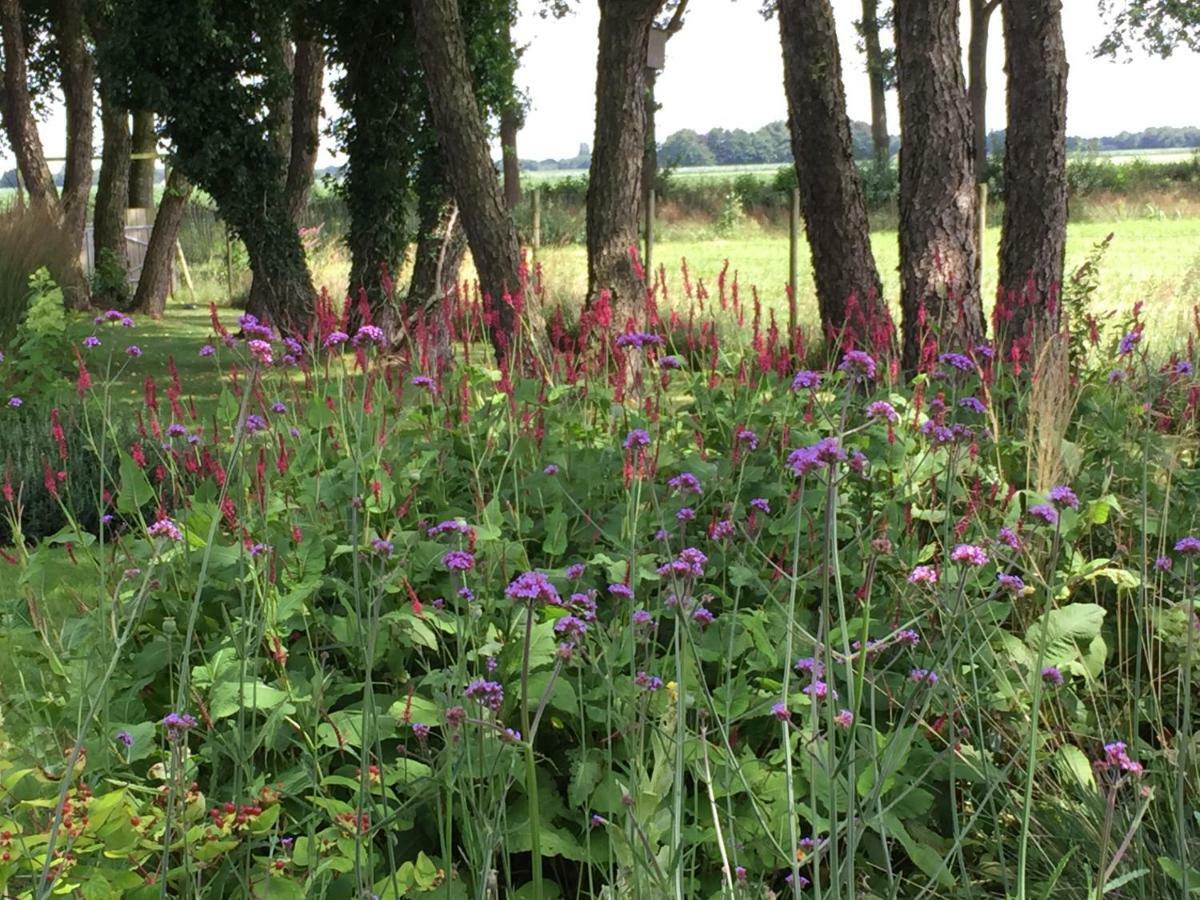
(1122, 880)
(555, 543)
(1075, 765)
(135, 491)
(230, 696)
(1175, 871)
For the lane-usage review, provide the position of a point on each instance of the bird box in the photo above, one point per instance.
(656, 49)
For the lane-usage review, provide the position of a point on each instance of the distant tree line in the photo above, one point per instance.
(772, 144)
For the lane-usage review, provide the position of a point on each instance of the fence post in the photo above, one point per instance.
(537, 222)
(982, 199)
(648, 262)
(228, 263)
(20, 190)
(793, 262)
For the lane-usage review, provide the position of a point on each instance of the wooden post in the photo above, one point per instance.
(228, 264)
(648, 262)
(793, 262)
(982, 198)
(20, 190)
(537, 222)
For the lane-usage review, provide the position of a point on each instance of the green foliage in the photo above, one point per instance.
(731, 215)
(39, 353)
(27, 243)
(110, 284)
(1159, 27)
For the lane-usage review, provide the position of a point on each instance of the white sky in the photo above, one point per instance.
(724, 68)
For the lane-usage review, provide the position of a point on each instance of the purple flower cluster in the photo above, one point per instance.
(533, 587)
(1052, 676)
(459, 560)
(177, 725)
(164, 527)
(823, 453)
(762, 504)
(639, 340)
(957, 361)
(1188, 544)
(969, 554)
(334, 338)
(881, 409)
(685, 483)
(973, 404)
(447, 526)
(1117, 757)
(858, 365)
(367, 334)
(639, 437)
(923, 575)
(486, 693)
(806, 379)
(1063, 497)
(689, 563)
(622, 590)
(647, 682)
(1045, 512)
(926, 676)
(1011, 583)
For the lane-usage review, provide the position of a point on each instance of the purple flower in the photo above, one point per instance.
(1051, 675)
(1062, 497)
(334, 338)
(533, 587)
(467, 594)
(781, 712)
(740, 873)
(486, 693)
(1047, 514)
(721, 529)
(256, 423)
(1163, 563)
(819, 690)
(685, 483)
(1011, 583)
(420, 731)
(455, 716)
(762, 504)
(810, 664)
(1188, 544)
(636, 438)
(458, 561)
(1183, 367)
(177, 725)
(165, 528)
(621, 590)
(806, 379)
(844, 718)
(1128, 342)
(908, 636)
(382, 547)
(703, 617)
(551, 469)
(747, 437)
(816, 456)
(15, 402)
(970, 554)
(368, 334)
(261, 350)
(923, 575)
(923, 675)
(571, 626)
(134, 350)
(958, 361)
(643, 619)
(423, 381)
(1009, 537)
(250, 325)
(1116, 376)
(1115, 756)
(449, 525)
(175, 429)
(510, 736)
(125, 738)
(207, 350)
(639, 340)
(669, 362)
(647, 682)
(881, 409)
(858, 364)
(973, 404)
(92, 341)
(278, 407)
(686, 514)
(575, 571)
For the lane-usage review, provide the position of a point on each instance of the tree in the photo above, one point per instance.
(618, 152)
(215, 73)
(141, 165)
(462, 137)
(77, 79)
(1158, 26)
(1034, 235)
(878, 75)
(831, 196)
(154, 283)
(938, 207)
(686, 148)
(112, 190)
(981, 14)
(308, 80)
(21, 129)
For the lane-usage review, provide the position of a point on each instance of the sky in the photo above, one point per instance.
(725, 69)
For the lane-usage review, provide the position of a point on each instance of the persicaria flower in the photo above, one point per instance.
(923, 575)
(1062, 497)
(685, 482)
(636, 438)
(164, 527)
(970, 554)
(1051, 675)
(858, 364)
(1188, 544)
(458, 561)
(486, 693)
(844, 718)
(806, 379)
(533, 587)
(927, 676)
(881, 409)
(1046, 513)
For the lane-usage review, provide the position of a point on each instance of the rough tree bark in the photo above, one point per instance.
(141, 171)
(155, 281)
(440, 248)
(21, 130)
(938, 209)
(618, 151)
(1035, 169)
(880, 140)
(112, 191)
(462, 137)
(78, 82)
(830, 193)
(510, 124)
(308, 77)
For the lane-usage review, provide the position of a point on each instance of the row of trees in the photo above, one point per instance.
(233, 89)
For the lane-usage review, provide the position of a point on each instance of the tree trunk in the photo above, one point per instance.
(21, 129)
(281, 286)
(880, 139)
(441, 246)
(1035, 170)
(78, 82)
(618, 152)
(154, 283)
(981, 13)
(19, 124)
(463, 139)
(141, 171)
(830, 193)
(112, 191)
(938, 210)
(308, 76)
(510, 124)
(279, 114)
